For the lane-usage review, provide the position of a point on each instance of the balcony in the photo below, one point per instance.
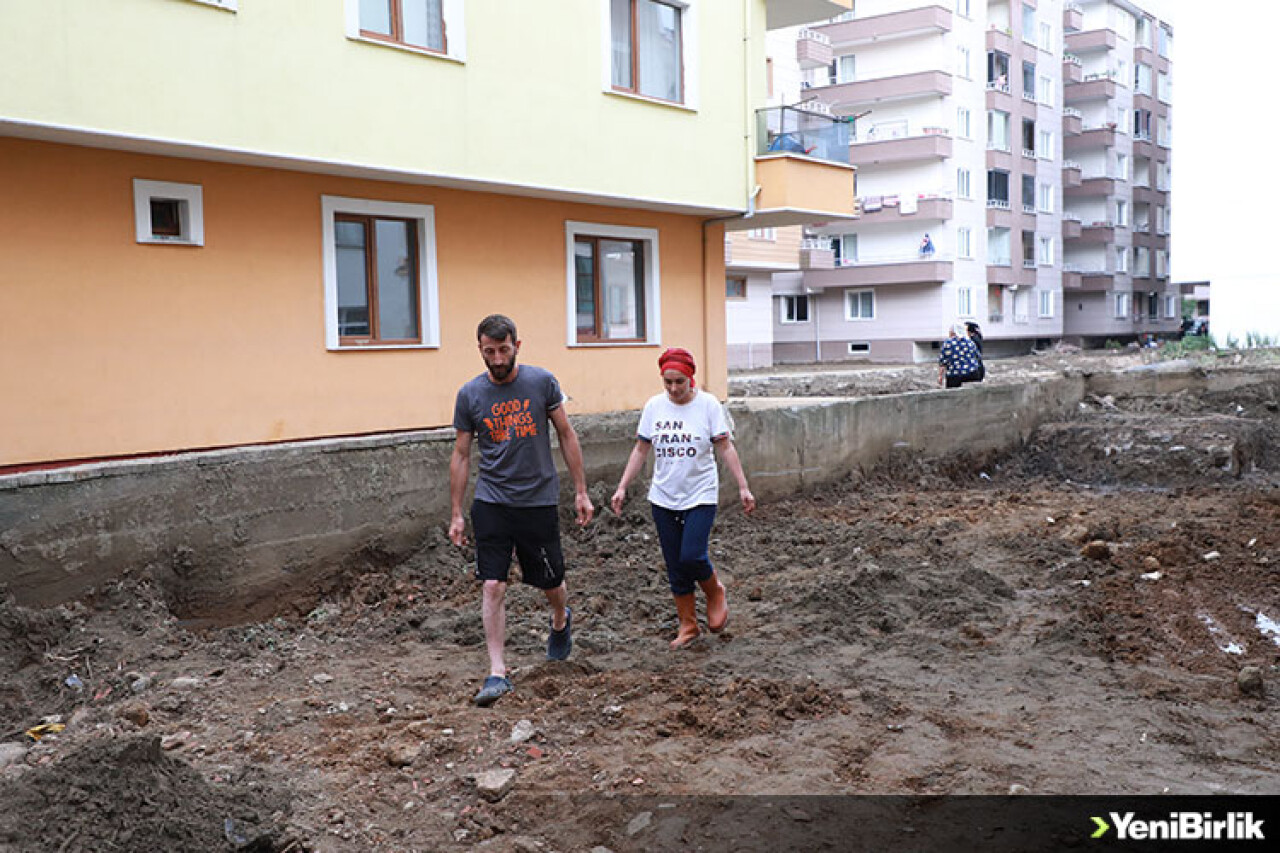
(1147, 195)
(933, 144)
(813, 49)
(1094, 186)
(802, 168)
(999, 39)
(1072, 18)
(882, 210)
(1071, 226)
(850, 96)
(999, 95)
(816, 254)
(1071, 174)
(884, 271)
(1090, 138)
(1070, 279)
(925, 20)
(1090, 41)
(1072, 70)
(1092, 89)
(1001, 271)
(791, 13)
(1097, 280)
(1072, 121)
(1097, 232)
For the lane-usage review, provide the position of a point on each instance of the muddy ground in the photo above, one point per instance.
(1094, 613)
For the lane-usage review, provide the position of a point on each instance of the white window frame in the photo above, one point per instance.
(1045, 93)
(964, 301)
(190, 198)
(1045, 303)
(428, 284)
(964, 183)
(1045, 249)
(455, 23)
(848, 299)
(963, 62)
(1170, 306)
(964, 123)
(1044, 144)
(1046, 37)
(1122, 213)
(1121, 304)
(689, 41)
(1122, 259)
(964, 8)
(964, 242)
(1044, 199)
(652, 280)
(782, 309)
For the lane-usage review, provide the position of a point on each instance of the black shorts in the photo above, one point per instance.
(532, 532)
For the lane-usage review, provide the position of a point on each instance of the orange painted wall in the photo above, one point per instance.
(115, 348)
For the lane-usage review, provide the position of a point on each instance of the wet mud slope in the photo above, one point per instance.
(1095, 613)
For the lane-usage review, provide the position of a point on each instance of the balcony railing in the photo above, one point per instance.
(788, 130)
(999, 203)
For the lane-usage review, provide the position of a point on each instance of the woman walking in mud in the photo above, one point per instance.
(682, 425)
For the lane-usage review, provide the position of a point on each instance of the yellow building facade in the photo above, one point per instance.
(230, 222)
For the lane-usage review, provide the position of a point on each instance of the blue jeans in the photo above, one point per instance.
(684, 534)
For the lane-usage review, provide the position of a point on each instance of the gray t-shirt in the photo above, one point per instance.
(510, 424)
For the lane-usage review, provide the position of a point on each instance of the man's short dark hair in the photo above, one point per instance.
(498, 327)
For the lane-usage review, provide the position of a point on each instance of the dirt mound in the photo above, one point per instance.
(128, 795)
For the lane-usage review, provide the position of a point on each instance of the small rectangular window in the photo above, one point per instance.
(735, 288)
(1046, 303)
(964, 301)
(167, 212)
(859, 347)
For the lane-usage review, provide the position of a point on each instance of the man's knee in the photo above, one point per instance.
(495, 590)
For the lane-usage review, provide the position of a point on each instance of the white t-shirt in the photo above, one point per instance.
(684, 465)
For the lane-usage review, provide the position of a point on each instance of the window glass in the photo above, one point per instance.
(375, 16)
(397, 293)
(621, 41)
(735, 288)
(353, 279)
(623, 291)
(423, 23)
(585, 290)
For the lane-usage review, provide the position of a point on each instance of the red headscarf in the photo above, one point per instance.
(678, 359)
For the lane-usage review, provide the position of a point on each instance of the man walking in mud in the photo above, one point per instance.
(506, 411)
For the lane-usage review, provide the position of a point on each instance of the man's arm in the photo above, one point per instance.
(572, 452)
(459, 469)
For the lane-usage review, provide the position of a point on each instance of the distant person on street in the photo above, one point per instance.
(506, 411)
(682, 425)
(958, 360)
(974, 333)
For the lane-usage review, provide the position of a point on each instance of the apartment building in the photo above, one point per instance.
(1013, 166)
(1118, 91)
(242, 221)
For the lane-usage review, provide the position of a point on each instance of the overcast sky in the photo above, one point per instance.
(1224, 176)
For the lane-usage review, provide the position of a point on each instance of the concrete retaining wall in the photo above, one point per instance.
(228, 533)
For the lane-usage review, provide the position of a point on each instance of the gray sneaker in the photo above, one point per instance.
(560, 643)
(495, 687)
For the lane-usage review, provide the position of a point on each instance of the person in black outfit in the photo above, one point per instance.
(975, 334)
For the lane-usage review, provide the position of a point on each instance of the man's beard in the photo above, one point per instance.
(501, 372)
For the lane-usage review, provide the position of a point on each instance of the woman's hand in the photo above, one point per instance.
(619, 497)
(748, 500)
